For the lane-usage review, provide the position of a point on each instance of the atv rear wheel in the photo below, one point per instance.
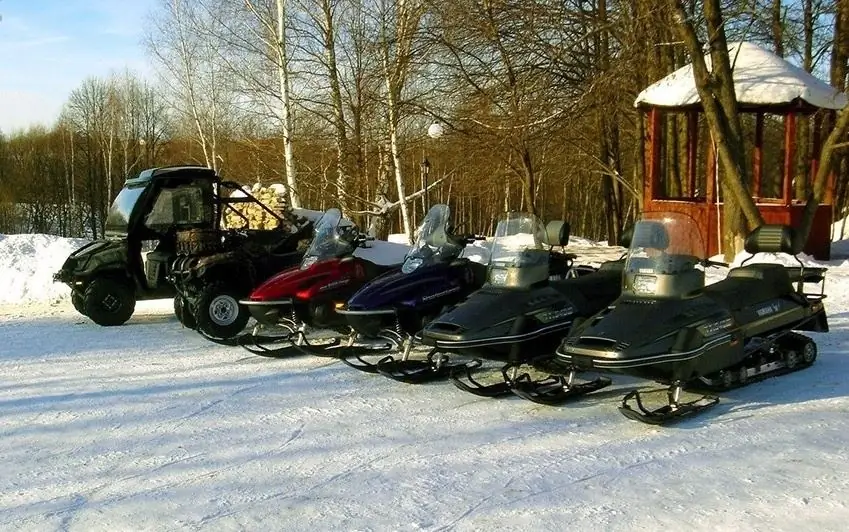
(108, 301)
(183, 311)
(218, 312)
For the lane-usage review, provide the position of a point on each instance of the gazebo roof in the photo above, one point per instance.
(761, 79)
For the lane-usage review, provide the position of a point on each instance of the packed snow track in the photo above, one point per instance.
(149, 426)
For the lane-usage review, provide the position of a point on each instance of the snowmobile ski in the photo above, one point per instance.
(674, 410)
(555, 389)
(468, 383)
(435, 367)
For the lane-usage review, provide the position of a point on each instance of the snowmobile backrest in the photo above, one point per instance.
(626, 237)
(650, 234)
(557, 232)
(773, 238)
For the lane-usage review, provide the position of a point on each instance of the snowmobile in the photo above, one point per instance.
(304, 297)
(669, 327)
(522, 313)
(390, 310)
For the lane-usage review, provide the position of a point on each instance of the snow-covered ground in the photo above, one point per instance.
(148, 426)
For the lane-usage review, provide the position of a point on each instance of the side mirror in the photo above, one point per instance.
(557, 232)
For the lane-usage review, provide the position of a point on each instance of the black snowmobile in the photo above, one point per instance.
(669, 327)
(520, 316)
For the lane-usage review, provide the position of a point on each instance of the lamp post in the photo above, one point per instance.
(425, 166)
(434, 131)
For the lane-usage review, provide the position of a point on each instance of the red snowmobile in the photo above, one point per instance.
(289, 306)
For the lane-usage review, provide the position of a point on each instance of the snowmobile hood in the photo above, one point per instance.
(496, 314)
(291, 282)
(422, 286)
(636, 329)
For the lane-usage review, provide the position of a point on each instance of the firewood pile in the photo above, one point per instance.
(257, 217)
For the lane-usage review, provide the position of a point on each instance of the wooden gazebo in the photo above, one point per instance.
(681, 165)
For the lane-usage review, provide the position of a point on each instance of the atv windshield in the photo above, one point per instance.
(118, 218)
(520, 244)
(330, 241)
(662, 260)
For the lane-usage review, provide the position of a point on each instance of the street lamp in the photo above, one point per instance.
(434, 131)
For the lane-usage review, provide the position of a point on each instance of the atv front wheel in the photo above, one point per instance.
(183, 311)
(218, 312)
(108, 302)
(78, 300)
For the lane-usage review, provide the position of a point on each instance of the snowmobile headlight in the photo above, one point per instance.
(498, 276)
(308, 261)
(645, 284)
(411, 264)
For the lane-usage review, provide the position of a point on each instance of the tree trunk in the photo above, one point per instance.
(716, 92)
(285, 96)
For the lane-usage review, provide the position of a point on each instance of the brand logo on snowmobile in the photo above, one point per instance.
(709, 329)
(772, 308)
(439, 294)
(334, 284)
(547, 316)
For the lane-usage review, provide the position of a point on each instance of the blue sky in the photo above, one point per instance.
(47, 48)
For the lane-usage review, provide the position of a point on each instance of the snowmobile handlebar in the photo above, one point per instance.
(708, 263)
(472, 238)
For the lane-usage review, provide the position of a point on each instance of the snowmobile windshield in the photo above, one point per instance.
(520, 251)
(662, 260)
(433, 243)
(330, 241)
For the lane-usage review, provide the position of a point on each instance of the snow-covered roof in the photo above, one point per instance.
(761, 78)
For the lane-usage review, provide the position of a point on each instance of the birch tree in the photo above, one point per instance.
(177, 42)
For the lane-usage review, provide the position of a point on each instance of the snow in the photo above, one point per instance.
(148, 426)
(382, 252)
(760, 78)
(27, 265)
(399, 238)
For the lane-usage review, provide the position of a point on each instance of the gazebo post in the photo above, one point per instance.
(653, 164)
(710, 167)
(757, 156)
(692, 150)
(789, 156)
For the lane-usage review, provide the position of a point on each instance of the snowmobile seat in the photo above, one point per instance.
(603, 285)
(373, 269)
(613, 266)
(752, 284)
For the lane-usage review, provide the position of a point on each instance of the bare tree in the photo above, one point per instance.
(719, 101)
(176, 40)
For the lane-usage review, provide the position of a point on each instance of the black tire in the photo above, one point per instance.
(218, 312)
(109, 302)
(78, 300)
(184, 314)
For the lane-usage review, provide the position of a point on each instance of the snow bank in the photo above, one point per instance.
(382, 252)
(27, 265)
(398, 238)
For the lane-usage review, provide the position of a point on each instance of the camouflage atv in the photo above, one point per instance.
(143, 233)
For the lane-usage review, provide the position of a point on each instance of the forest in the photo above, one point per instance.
(381, 107)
